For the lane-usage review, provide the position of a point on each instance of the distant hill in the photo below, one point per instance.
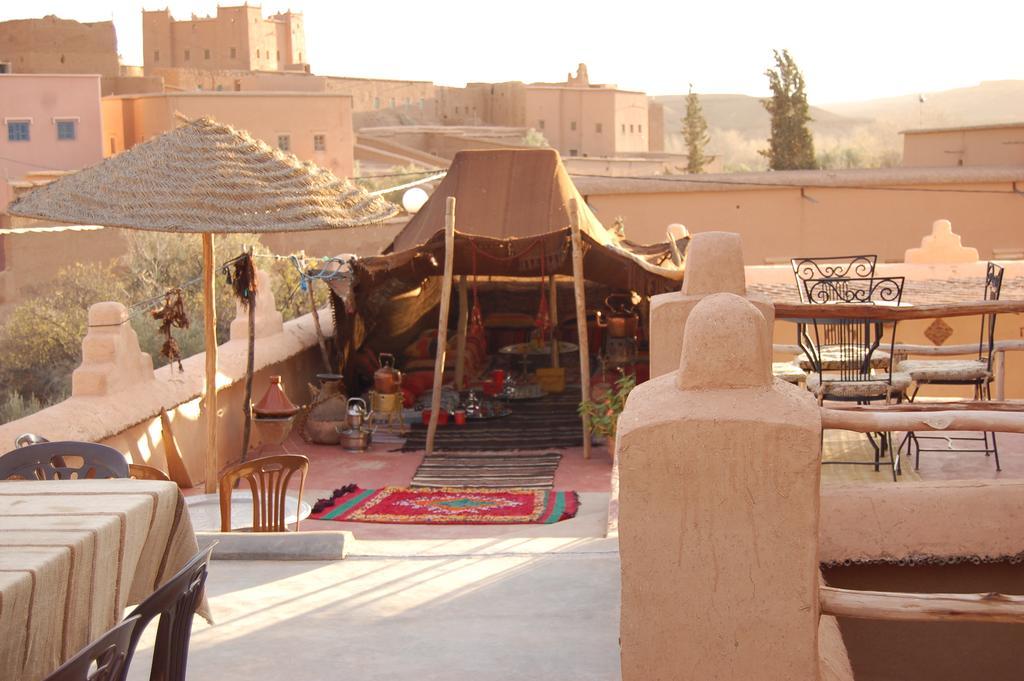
(849, 133)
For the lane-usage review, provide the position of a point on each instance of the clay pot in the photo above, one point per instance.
(324, 419)
(275, 402)
(387, 379)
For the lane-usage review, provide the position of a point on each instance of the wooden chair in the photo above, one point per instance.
(140, 471)
(105, 659)
(174, 603)
(268, 478)
(49, 461)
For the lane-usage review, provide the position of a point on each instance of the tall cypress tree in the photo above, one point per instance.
(695, 134)
(791, 146)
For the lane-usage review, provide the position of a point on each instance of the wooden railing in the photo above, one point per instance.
(916, 607)
(894, 313)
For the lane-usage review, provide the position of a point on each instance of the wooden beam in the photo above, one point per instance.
(785, 311)
(212, 457)
(442, 322)
(579, 289)
(964, 405)
(553, 311)
(884, 422)
(460, 343)
(921, 607)
(936, 350)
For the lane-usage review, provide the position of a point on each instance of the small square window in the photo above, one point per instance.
(233, 52)
(376, 102)
(572, 125)
(156, 55)
(456, 111)
(284, 142)
(206, 54)
(597, 127)
(17, 131)
(319, 142)
(573, 152)
(66, 130)
(540, 124)
(188, 55)
(623, 128)
(631, 127)
(257, 54)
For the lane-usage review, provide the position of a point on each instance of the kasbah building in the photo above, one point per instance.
(68, 103)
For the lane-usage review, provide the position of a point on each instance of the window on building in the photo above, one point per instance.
(284, 142)
(573, 152)
(66, 130)
(597, 127)
(113, 146)
(156, 55)
(18, 131)
(219, 87)
(540, 124)
(233, 52)
(257, 54)
(639, 128)
(456, 111)
(319, 142)
(188, 55)
(376, 102)
(206, 54)
(572, 125)
(623, 128)
(392, 102)
(278, 55)
(631, 127)
(422, 103)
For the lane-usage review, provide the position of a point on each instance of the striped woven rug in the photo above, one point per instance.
(488, 470)
(533, 425)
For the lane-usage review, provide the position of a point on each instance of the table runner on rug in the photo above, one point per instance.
(86, 549)
(400, 505)
(548, 423)
(490, 470)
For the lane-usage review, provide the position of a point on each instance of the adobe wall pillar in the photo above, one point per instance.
(714, 264)
(111, 357)
(942, 246)
(718, 520)
(268, 319)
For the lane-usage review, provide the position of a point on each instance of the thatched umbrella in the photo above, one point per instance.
(205, 178)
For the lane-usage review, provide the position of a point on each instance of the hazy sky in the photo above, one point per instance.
(847, 50)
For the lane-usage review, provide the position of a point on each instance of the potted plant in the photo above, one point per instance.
(604, 411)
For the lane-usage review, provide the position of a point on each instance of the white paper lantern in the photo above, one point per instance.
(413, 199)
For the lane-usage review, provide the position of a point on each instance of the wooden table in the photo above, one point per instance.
(73, 555)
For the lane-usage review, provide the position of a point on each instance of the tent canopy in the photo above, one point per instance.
(512, 219)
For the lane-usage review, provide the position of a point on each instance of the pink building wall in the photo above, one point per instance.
(992, 145)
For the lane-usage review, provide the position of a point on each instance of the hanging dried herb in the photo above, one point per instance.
(171, 316)
(243, 279)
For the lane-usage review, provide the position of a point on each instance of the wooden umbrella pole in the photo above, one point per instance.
(460, 343)
(581, 318)
(442, 322)
(210, 336)
(250, 366)
(553, 312)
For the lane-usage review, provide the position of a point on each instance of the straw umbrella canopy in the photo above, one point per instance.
(205, 178)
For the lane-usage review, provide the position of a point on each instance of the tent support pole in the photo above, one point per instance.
(442, 321)
(553, 311)
(210, 335)
(460, 344)
(581, 318)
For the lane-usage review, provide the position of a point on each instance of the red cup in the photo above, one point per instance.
(460, 417)
(498, 377)
(426, 417)
(442, 418)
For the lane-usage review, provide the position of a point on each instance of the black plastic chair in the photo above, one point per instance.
(174, 603)
(105, 659)
(49, 461)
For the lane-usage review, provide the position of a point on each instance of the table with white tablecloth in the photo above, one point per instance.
(73, 555)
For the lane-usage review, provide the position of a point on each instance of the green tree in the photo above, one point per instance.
(695, 134)
(791, 146)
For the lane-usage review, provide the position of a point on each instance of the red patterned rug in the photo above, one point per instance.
(447, 506)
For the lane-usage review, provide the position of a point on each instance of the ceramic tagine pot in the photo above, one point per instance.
(274, 403)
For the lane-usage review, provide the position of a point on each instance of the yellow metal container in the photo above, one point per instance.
(551, 380)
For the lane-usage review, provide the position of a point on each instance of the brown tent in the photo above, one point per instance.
(513, 221)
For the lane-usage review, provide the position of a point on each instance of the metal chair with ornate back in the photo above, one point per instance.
(268, 478)
(54, 461)
(968, 372)
(841, 352)
(174, 603)
(105, 659)
(831, 267)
